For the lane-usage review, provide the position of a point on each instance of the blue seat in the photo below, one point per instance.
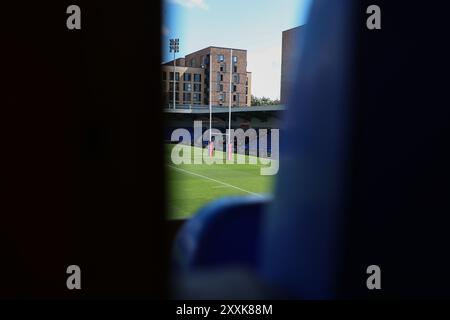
(224, 233)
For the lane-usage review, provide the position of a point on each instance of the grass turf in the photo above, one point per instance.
(191, 186)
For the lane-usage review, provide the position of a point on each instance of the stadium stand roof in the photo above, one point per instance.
(222, 109)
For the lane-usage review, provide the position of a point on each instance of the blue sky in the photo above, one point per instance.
(254, 25)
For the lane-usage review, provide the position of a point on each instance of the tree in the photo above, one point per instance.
(264, 101)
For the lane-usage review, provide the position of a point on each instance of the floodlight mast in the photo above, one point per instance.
(174, 46)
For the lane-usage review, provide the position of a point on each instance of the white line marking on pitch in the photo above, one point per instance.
(211, 179)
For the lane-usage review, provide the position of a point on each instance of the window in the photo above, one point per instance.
(177, 96)
(197, 77)
(177, 76)
(197, 97)
(186, 97)
(197, 87)
(187, 87)
(234, 98)
(219, 77)
(220, 58)
(177, 86)
(235, 68)
(223, 67)
(235, 59)
(234, 88)
(219, 87)
(236, 78)
(221, 97)
(164, 75)
(187, 77)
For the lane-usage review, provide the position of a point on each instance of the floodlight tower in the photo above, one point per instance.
(174, 46)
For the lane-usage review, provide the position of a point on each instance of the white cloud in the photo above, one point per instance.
(191, 3)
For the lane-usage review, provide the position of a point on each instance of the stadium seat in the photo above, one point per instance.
(223, 233)
(364, 168)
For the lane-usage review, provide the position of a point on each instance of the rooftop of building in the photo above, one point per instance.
(216, 47)
(182, 59)
(294, 28)
(180, 62)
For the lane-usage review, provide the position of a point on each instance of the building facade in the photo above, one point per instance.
(192, 78)
(290, 56)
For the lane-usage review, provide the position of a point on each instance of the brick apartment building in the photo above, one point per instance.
(192, 83)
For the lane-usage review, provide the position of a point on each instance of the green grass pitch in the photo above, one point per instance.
(191, 186)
